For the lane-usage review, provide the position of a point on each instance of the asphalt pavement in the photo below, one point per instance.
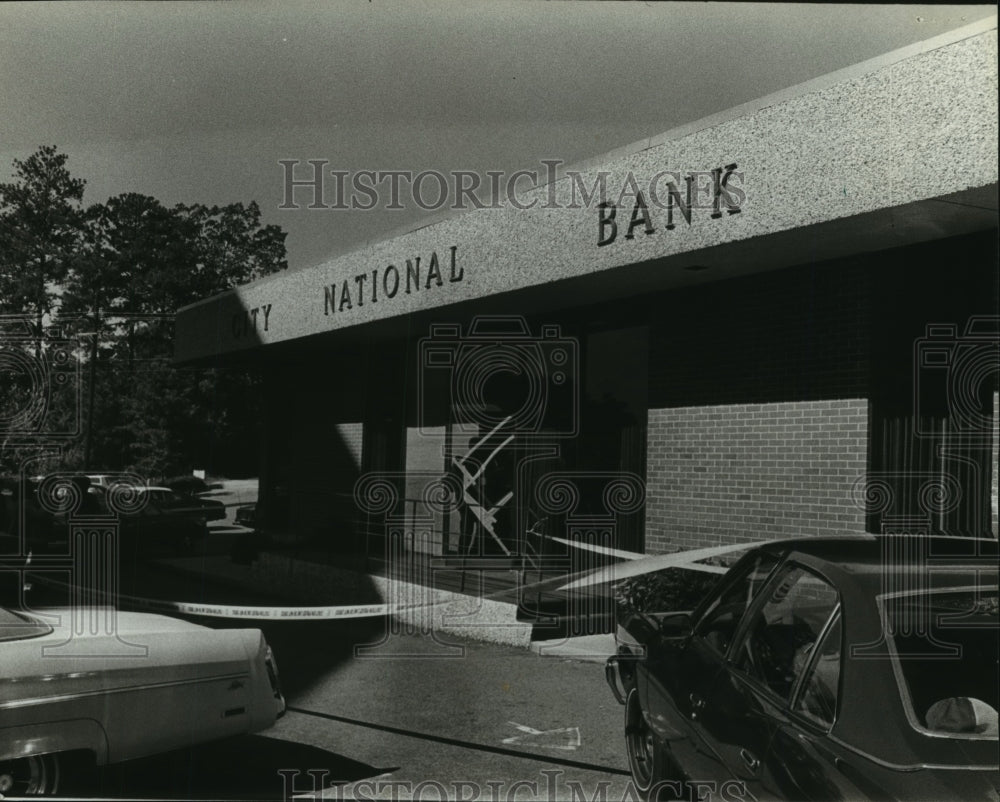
(462, 715)
(486, 723)
(380, 713)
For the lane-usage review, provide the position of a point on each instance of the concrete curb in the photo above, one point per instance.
(318, 584)
(587, 648)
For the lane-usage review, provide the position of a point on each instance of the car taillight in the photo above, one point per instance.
(272, 675)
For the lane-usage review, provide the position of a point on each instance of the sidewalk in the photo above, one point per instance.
(295, 582)
(589, 648)
(331, 591)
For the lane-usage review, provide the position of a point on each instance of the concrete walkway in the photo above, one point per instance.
(591, 648)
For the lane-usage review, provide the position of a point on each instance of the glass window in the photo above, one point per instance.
(780, 638)
(166, 500)
(945, 647)
(718, 625)
(818, 697)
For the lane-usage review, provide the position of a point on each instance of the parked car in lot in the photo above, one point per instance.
(196, 491)
(185, 685)
(166, 522)
(191, 485)
(246, 515)
(821, 669)
(211, 509)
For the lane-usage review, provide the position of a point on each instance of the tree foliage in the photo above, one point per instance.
(111, 277)
(666, 591)
(40, 228)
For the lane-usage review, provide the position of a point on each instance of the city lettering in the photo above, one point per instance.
(250, 321)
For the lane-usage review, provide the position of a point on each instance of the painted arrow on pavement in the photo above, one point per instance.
(567, 738)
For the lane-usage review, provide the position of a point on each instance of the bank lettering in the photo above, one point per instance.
(383, 284)
(718, 190)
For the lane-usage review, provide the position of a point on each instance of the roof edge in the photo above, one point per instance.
(816, 84)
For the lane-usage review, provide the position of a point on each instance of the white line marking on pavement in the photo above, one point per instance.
(568, 737)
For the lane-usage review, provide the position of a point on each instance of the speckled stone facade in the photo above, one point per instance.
(760, 368)
(866, 146)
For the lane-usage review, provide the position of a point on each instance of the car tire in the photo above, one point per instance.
(37, 775)
(654, 771)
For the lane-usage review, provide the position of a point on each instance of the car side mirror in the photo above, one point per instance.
(676, 625)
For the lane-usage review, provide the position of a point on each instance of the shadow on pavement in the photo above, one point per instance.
(307, 651)
(239, 768)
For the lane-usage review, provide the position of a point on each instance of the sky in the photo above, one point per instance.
(197, 102)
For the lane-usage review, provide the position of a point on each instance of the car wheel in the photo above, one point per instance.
(654, 771)
(37, 775)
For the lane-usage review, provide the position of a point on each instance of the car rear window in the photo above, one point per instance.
(944, 646)
(169, 500)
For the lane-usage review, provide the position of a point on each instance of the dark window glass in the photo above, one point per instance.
(718, 625)
(818, 698)
(945, 646)
(166, 501)
(783, 632)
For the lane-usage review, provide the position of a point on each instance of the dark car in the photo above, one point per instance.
(157, 521)
(246, 515)
(195, 490)
(191, 485)
(211, 509)
(821, 669)
(165, 523)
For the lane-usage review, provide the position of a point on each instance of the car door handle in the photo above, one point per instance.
(749, 760)
(697, 704)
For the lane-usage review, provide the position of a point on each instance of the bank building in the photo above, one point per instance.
(788, 325)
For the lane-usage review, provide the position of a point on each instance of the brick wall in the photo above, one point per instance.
(723, 474)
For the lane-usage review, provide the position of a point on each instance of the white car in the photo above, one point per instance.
(158, 684)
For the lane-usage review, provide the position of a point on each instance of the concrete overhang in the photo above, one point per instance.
(897, 150)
